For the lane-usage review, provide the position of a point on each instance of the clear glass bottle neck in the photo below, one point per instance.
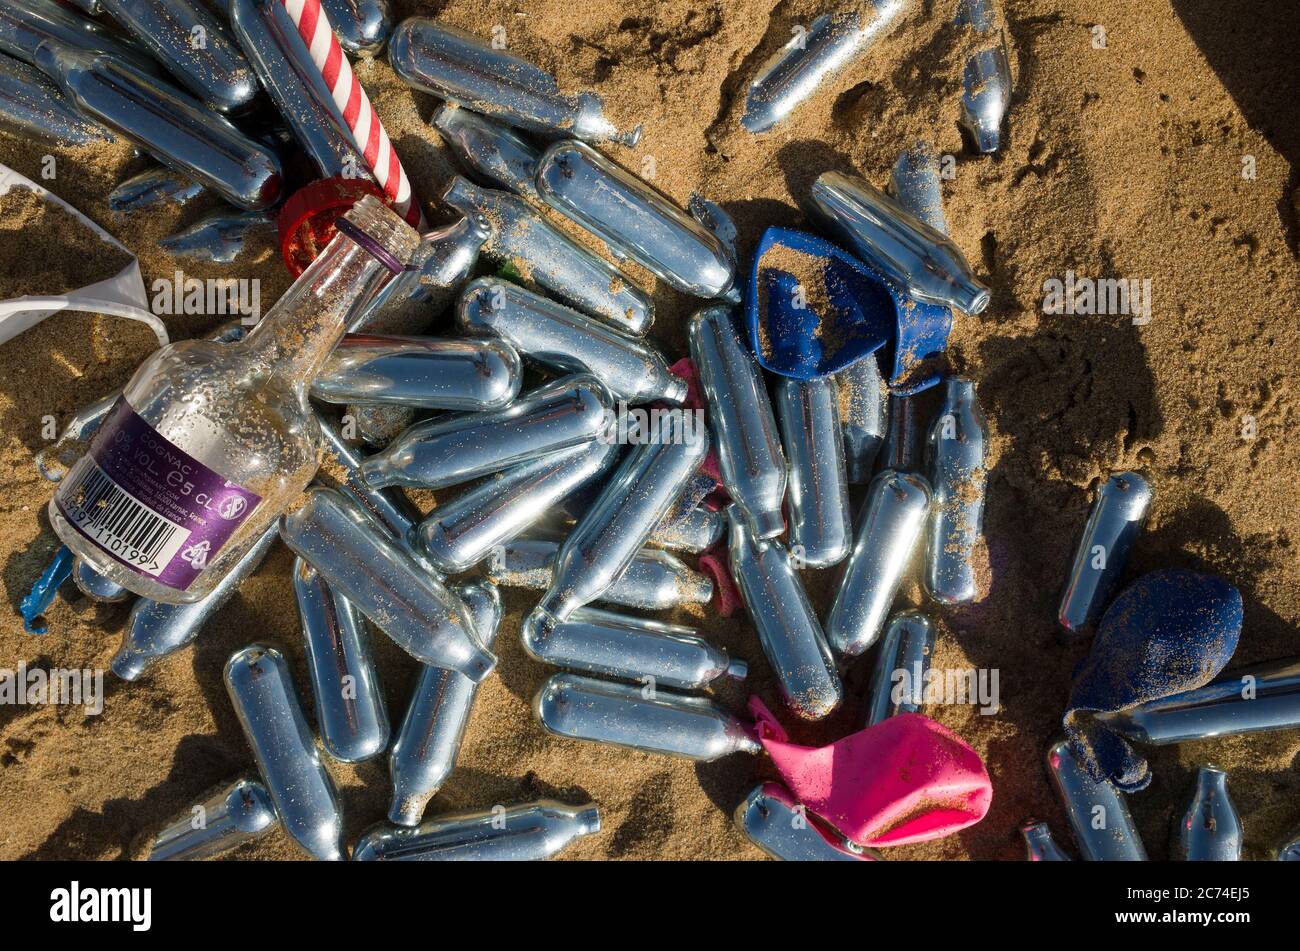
(296, 336)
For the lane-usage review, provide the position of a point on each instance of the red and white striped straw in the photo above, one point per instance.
(367, 131)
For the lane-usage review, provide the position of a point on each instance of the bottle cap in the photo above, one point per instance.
(308, 219)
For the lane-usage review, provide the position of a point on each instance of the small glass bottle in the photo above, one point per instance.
(210, 442)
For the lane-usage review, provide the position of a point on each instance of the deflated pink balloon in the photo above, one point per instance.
(906, 779)
(717, 565)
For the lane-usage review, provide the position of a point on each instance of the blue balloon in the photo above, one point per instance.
(804, 332)
(1170, 630)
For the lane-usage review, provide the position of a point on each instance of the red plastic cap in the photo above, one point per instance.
(306, 221)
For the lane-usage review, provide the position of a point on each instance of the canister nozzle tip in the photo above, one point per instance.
(977, 299)
(768, 524)
(676, 391)
(405, 813)
(128, 665)
(589, 820)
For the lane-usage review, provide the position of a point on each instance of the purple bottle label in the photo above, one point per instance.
(149, 504)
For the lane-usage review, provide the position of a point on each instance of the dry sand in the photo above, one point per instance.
(1124, 161)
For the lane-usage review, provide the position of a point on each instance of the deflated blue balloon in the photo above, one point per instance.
(813, 309)
(1169, 631)
(34, 605)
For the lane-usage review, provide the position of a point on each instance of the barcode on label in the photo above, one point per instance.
(123, 525)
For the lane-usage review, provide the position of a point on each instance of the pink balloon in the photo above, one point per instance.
(716, 563)
(906, 779)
